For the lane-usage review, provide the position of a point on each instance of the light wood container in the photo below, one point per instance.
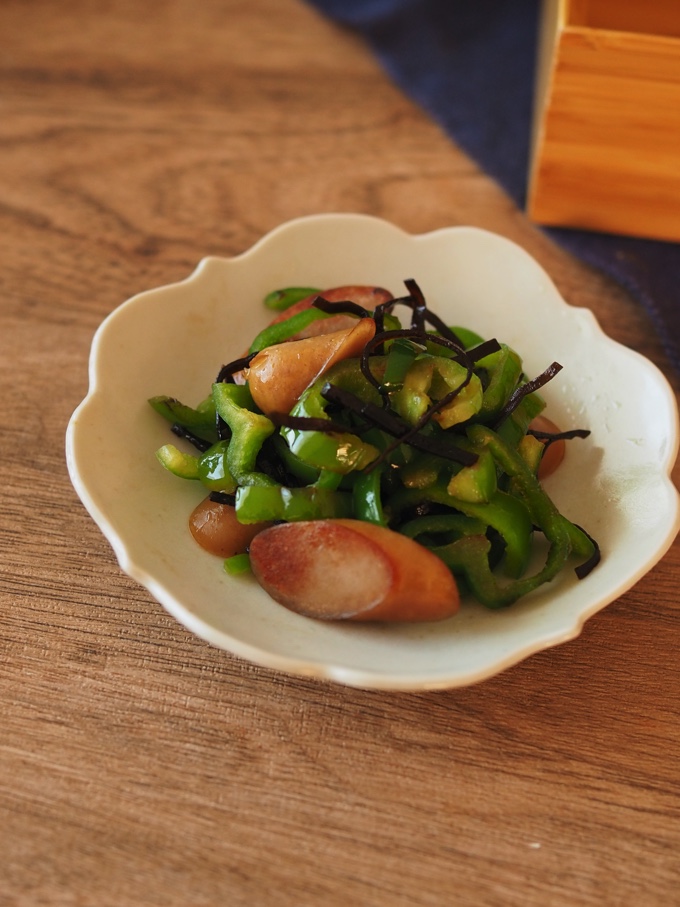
(606, 142)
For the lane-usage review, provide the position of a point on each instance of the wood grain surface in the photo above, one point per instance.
(609, 118)
(140, 766)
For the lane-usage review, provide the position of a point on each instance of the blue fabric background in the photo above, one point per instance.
(471, 64)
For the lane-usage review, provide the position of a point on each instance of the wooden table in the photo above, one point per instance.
(139, 765)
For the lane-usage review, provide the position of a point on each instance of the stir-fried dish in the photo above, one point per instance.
(367, 461)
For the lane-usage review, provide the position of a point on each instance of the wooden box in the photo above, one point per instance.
(606, 142)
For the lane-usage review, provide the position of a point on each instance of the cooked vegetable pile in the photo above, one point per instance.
(365, 465)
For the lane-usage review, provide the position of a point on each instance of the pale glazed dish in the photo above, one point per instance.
(614, 483)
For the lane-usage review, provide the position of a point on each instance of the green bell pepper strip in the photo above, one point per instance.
(531, 450)
(338, 451)
(346, 375)
(412, 400)
(368, 487)
(284, 330)
(249, 429)
(328, 480)
(210, 468)
(477, 483)
(432, 378)
(367, 497)
(237, 564)
(280, 300)
(456, 525)
(180, 464)
(469, 555)
(510, 518)
(502, 370)
(422, 470)
(514, 427)
(400, 357)
(257, 503)
(306, 474)
(213, 468)
(506, 514)
(202, 418)
(543, 511)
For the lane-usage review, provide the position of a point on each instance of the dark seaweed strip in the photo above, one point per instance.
(227, 372)
(524, 389)
(222, 429)
(388, 421)
(551, 436)
(484, 349)
(417, 323)
(182, 432)
(379, 317)
(344, 307)
(588, 566)
(223, 497)
(307, 423)
(421, 313)
(393, 425)
(429, 316)
(419, 305)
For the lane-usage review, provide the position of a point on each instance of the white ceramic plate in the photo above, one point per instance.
(173, 340)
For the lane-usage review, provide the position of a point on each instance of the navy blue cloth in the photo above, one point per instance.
(471, 65)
